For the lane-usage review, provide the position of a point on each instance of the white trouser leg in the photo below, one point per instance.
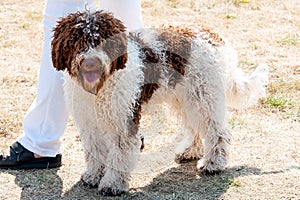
(129, 11)
(47, 117)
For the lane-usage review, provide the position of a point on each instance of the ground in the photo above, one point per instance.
(265, 155)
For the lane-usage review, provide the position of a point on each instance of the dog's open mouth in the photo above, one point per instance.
(91, 76)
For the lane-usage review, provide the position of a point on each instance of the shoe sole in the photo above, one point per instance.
(39, 163)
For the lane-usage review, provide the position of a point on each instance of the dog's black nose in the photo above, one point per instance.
(90, 63)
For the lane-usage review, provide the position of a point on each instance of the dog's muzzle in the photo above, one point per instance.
(91, 74)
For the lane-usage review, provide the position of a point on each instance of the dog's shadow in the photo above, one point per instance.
(181, 182)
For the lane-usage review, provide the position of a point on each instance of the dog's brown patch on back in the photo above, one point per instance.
(177, 51)
(177, 42)
(168, 62)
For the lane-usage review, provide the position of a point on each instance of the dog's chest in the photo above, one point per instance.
(111, 107)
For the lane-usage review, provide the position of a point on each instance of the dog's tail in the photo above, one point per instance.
(243, 91)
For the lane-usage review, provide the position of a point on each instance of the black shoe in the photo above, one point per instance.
(21, 158)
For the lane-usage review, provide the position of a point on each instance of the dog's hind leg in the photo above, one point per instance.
(214, 134)
(206, 136)
(215, 148)
(190, 148)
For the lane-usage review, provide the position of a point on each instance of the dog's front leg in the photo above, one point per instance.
(95, 153)
(121, 159)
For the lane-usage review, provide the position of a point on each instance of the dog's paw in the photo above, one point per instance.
(190, 154)
(108, 191)
(208, 168)
(204, 171)
(112, 187)
(88, 184)
(89, 180)
(183, 158)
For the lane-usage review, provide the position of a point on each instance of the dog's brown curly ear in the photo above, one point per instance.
(66, 42)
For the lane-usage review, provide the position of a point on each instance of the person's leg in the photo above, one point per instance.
(47, 117)
(129, 11)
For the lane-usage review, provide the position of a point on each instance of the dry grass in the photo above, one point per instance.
(265, 159)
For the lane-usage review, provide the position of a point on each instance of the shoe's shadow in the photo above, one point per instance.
(37, 184)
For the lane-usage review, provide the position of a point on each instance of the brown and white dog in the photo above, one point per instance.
(112, 75)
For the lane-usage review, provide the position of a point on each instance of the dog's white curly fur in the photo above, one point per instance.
(211, 81)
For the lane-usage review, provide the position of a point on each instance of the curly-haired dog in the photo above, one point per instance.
(112, 75)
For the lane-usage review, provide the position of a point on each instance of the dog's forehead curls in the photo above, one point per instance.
(90, 46)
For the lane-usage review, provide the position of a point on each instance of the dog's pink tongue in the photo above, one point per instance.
(91, 76)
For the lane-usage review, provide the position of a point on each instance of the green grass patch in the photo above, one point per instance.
(289, 40)
(230, 17)
(279, 102)
(284, 97)
(240, 1)
(237, 2)
(233, 182)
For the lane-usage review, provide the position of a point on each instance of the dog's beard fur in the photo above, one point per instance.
(91, 87)
(90, 72)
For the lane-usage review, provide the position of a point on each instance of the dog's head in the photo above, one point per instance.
(91, 46)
